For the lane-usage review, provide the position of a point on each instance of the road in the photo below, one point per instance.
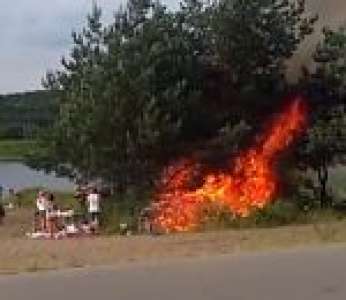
(309, 274)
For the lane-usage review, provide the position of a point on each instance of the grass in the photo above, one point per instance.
(14, 149)
(18, 254)
(26, 198)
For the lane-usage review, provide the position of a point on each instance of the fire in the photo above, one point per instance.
(249, 182)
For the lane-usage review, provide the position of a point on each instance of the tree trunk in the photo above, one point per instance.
(323, 180)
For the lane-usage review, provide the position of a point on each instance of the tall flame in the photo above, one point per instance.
(249, 182)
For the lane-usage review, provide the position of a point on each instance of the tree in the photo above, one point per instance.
(135, 93)
(76, 87)
(324, 147)
(253, 39)
(325, 143)
(331, 58)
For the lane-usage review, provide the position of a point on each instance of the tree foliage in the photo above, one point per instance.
(325, 143)
(254, 38)
(324, 147)
(135, 93)
(331, 58)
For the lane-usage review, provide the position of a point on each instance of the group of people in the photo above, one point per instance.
(49, 219)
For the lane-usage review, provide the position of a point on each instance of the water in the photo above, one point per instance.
(17, 176)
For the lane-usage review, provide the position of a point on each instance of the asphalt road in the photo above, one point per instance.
(310, 274)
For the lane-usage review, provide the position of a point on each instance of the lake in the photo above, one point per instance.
(16, 175)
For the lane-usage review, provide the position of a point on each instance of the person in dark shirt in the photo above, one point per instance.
(52, 222)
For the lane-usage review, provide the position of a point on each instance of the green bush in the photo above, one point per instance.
(123, 208)
(279, 213)
(110, 217)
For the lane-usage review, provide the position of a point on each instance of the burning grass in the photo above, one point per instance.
(249, 181)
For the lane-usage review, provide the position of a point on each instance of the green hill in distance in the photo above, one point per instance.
(22, 114)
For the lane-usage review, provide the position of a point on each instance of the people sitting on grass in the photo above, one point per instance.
(51, 222)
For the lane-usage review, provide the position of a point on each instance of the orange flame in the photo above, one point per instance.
(249, 183)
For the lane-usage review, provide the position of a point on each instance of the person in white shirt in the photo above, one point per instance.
(41, 205)
(93, 201)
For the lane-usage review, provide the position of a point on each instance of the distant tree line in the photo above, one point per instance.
(156, 84)
(22, 115)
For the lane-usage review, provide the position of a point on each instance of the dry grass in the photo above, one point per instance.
(16, 223)
(18, 254)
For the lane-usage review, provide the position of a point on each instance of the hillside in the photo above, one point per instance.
(332, 13)
(21, 114)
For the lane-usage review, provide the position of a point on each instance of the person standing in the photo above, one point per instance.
(11, 198)
(2, 213)
(93, 200)
(51, 214)
(81, 194)
(2, 209)
(41, 205)
(1, 193)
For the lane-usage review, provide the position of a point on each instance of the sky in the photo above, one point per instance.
(35, 34)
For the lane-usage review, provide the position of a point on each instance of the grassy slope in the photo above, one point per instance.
(14, 149)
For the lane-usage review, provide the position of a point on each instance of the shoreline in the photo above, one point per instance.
(11, 159)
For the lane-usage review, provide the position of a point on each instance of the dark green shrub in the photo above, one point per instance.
(123, 209)
(277, 214)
